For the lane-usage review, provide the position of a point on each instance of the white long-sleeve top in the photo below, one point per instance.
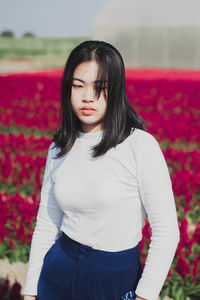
(102, 202)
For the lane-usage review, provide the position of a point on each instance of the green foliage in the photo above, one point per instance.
(194, 215)
(7, 34)
(28, 34)
(195, 249)
(3, 249)
(38, 47)
(26, 131)
(21, 253)
(22, 52)
(26, 190)
(178, 289)
(179, 145)
(12, 189)
(181, 213)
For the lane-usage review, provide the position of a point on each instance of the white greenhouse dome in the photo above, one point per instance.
(152, 33)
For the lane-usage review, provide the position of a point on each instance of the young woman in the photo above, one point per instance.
(104, 172)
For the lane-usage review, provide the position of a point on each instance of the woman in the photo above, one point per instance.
(103, 173)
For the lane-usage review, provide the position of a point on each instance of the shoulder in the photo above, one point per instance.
(147, 151)
(53, 148)
(143, 141)
(52, 151)
(145, 147)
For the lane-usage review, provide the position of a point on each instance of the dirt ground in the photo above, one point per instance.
(13, 271)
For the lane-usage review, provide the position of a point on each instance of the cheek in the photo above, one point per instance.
(74, 100)
(103, 107)
(103, 102)
(74, 107)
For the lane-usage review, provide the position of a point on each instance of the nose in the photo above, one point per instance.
(89, 94)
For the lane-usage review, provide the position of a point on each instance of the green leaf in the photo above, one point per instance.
(179, 294)
(164, 292)
(3, 250)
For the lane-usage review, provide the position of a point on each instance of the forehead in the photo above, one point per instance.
(87, 72)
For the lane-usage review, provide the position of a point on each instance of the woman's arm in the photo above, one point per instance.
(47, 229)
(157, 197)
(29, 297)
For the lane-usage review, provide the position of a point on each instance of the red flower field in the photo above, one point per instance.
(168, 101)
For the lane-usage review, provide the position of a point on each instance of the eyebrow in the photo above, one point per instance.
(84, 81)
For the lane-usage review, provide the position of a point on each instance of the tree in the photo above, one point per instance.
(7, 33)
(28, 34)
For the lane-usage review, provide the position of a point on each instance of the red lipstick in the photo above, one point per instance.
(87, 110)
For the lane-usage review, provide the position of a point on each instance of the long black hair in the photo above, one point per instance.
(120, 117)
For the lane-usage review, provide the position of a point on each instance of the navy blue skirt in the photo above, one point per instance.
(74, 271)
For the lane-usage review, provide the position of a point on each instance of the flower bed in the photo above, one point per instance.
(168, 101)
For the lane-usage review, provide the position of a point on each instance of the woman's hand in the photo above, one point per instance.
(139, 298)
(30, 297)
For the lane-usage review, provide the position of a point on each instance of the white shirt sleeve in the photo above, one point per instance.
(157, 196)
(47, 229)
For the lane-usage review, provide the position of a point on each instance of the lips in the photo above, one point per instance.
(87, 108)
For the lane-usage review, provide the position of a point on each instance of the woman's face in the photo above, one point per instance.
(83, 94)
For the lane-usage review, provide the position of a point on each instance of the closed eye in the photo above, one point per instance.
(77, 85)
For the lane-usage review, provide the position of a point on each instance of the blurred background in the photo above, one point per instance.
(159, 41)
(40, 34)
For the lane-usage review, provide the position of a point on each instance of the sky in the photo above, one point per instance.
(49, 18)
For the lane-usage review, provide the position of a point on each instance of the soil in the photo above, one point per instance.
(14, 271)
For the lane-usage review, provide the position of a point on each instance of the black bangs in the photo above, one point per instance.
(102, 83)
